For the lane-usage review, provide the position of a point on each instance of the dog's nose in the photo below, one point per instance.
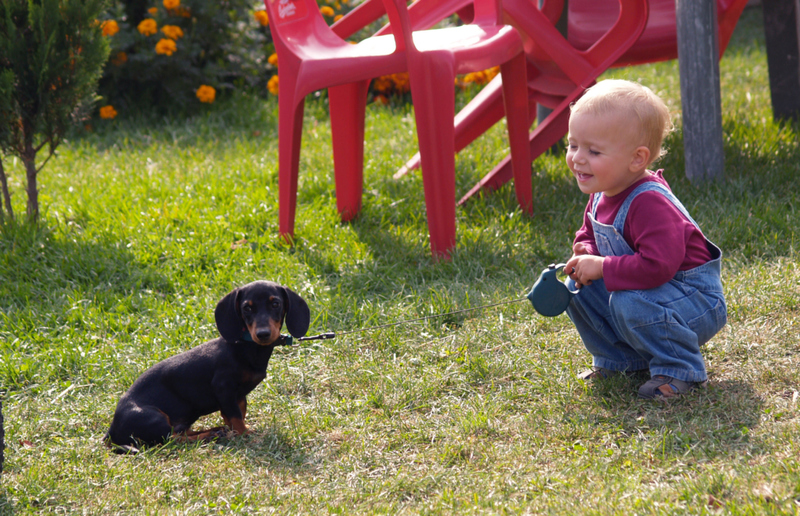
(263, 335)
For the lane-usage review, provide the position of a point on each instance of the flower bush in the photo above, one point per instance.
(162, 51)
(170, 52)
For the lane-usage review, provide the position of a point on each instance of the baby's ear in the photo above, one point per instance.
(639, 159)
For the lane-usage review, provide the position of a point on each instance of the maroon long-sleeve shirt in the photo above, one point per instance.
(663, 240)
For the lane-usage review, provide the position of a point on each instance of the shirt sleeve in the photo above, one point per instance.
(658, 233)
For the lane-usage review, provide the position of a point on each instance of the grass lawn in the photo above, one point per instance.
(147, 222)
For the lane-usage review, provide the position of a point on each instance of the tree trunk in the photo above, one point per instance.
(2, 444)
(29, 160)
(6, 194)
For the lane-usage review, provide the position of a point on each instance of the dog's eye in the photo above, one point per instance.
(247, 309)
(276, 303)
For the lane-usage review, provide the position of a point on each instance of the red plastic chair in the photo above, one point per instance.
(423, 15)
(588, 19)
(313, 57)
(590, 28)
(558, 73)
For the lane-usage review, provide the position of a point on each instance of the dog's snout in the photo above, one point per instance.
(264, 335)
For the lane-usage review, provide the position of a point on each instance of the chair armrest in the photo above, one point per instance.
(424, 14)
(488, 12)
(397, 10)
(366, 13)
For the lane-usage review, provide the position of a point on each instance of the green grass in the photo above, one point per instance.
(148, 222)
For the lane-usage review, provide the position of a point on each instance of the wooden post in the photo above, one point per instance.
(783, 56)
(698, 62)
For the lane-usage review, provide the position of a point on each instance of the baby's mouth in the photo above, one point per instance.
(582, 177)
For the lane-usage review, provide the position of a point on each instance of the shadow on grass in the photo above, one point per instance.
(241, 116)
(717, 420)
(57, 290)
(6, 508)
(270, 445)
(40, 264)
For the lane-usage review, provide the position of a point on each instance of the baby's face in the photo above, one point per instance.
(601, 152)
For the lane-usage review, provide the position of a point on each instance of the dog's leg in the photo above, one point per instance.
(200, 435)
(194, 433)
(237, 424)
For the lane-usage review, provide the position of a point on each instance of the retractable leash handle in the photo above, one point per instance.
(549, 296)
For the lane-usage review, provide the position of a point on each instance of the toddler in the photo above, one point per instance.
(650, 287)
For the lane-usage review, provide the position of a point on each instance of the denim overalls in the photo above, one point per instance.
(660, 329)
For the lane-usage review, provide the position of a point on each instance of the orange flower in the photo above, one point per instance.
(120, 59)
(173, 32)
(381, 99)
(326, 11)
(153, 10)
(108, 112)
(273, 59)
(166, 47)
(401, 83)
(110, 27)
(383, 83)
(338, 17)
(206, 94)
(147, 27)
(262, 17)
(172, 4)
(272, 85)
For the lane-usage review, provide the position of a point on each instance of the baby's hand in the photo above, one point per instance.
(584, 268)
(579, 248)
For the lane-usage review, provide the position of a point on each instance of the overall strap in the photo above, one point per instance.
(649, 186)
(595, 201)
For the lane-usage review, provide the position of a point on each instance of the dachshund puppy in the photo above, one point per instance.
(169, 397)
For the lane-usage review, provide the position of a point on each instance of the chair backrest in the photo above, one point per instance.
(589, 19)
(294, 23)
(553, 55)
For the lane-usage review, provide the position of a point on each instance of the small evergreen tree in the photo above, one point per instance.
(51, 56)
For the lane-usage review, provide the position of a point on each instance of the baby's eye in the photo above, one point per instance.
(594, 152)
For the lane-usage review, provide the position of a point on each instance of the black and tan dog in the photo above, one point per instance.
(169, 397)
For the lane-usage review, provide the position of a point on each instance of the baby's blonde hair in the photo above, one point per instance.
(635, 101)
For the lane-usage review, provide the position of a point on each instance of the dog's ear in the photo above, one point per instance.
(229, 320)
(298, 316)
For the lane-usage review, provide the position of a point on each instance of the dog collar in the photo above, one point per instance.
(283, 340)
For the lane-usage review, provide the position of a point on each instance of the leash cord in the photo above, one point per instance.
(333, 335)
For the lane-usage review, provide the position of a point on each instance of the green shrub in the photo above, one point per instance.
(179, 53)
(51, 56)
(163, 51)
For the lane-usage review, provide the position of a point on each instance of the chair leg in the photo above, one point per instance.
(477, 117)
(515, 101)
(547, 133)
(347, 109)
(290, 132)
(434, 108)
